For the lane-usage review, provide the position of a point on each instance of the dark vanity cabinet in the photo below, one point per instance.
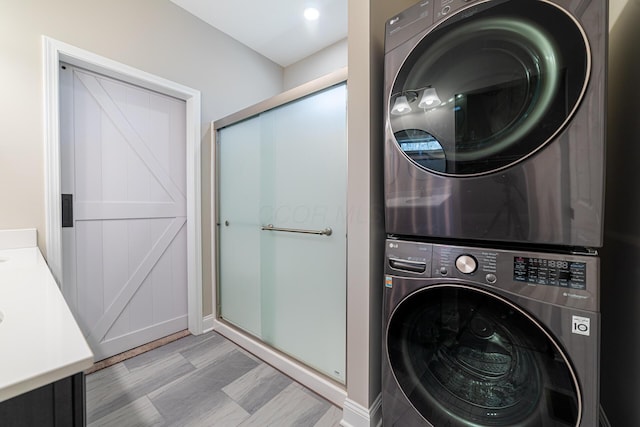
(59, 404)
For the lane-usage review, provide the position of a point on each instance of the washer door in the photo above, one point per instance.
(466, 357)
(489, 86)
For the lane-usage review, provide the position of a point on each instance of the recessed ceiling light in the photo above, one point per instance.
(311, 14)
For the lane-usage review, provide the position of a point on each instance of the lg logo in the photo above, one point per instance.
(581, 325)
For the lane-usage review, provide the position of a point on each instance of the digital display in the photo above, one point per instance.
(550, 272)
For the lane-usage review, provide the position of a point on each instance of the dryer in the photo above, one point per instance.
(495, 120)
(489, 337)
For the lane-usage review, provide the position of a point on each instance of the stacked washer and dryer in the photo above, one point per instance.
(494, 181)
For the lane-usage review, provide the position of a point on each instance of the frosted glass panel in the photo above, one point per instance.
(239, 196)
(303, 276)
(299, 182)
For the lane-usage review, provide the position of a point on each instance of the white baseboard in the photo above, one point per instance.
(355, 415)
(207, 323)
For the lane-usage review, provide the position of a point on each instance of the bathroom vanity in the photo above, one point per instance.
(42, 351)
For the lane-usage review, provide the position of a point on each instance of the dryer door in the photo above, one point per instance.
(463, 357)
(488, 87)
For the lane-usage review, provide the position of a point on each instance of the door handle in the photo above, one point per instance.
(67, 210)
(326, 232)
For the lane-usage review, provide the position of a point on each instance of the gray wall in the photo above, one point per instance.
(324, 62)
(155, 36)
(620, 288)
(365, 204)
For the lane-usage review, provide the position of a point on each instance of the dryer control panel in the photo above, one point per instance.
(443, 8)
(565, 279)
(423, 15)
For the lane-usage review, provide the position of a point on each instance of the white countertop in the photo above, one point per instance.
(40, 341)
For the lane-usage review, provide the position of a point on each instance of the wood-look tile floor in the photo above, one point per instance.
(202, 380)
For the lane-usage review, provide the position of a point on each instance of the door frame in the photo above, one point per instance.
(54, 52)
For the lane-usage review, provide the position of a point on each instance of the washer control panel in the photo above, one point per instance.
(451, 261)
(466, 264)
(550, 272)
(567, 279)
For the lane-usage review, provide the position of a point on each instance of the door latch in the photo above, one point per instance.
(67, 210)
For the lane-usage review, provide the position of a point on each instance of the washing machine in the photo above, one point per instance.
(489, 337)
(495, 120)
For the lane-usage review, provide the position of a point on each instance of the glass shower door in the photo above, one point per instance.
(283, 228)
(239, 237)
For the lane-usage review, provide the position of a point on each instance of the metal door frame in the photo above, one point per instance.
(331, 390)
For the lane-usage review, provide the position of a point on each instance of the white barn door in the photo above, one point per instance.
(123, 160)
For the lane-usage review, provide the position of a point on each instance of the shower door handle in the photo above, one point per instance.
(326, 232)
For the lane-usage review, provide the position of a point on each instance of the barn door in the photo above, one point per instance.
(124, 233)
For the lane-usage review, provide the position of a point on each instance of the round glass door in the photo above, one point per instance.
(464, 357)
(480, 93)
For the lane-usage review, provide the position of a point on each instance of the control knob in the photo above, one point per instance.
(466, 264)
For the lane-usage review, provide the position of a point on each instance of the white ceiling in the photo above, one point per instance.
(275, 28)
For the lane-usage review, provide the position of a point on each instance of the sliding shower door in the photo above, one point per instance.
(282, 232)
